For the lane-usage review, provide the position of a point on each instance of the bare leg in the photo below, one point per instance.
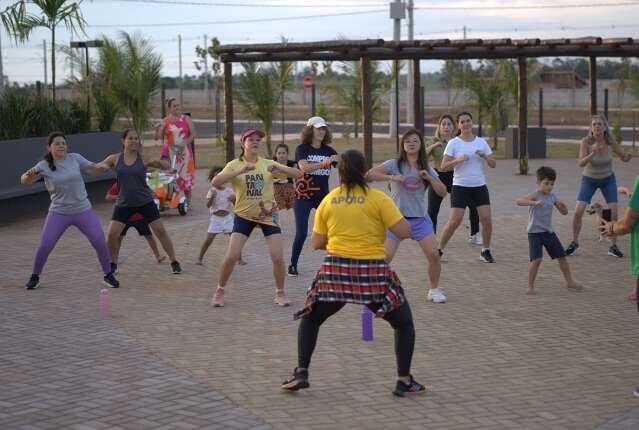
(577, 219)
(565, 270)
(429, 248)
(614, 214)
(163, 237)
(533, 268)
(486, 222)
(276, 250)
(455, 219)
(232, 256)
(114, 239)
(154, 247)
(205, 246)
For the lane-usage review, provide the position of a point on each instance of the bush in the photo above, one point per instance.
(24, 116)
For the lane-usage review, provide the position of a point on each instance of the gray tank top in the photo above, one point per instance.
(132, 183)
(600, 166)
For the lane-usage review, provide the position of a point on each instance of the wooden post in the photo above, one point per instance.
(367, 111)
(228, 111)
(523, 117)
(592, 70)
(418, 114)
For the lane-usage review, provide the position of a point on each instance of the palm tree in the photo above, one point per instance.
(19, 23)
(131, 71)
(283, 71)
(258, 93)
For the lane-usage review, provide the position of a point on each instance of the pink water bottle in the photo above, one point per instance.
(104, 303)
(367, 324)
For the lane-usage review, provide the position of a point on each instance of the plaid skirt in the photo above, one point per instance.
(284, 195)
(342, 279)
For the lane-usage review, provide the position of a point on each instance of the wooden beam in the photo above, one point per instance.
(300, 46)
(228, 112)
(367, 110)
(592, 71)
(418, 117)
(446, 53)
(522, 136)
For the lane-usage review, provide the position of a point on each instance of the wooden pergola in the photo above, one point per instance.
(369, 50)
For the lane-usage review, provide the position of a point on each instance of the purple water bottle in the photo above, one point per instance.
(104, 303)
(367, 324)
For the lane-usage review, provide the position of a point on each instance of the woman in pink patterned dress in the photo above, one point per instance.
(178, 132)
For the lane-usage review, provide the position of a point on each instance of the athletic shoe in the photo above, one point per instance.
(475, 239)
(175, 268)
(114, 268)
(573, 249)
(218, 298)
(486, 256)
(613, 251)
(281, 298)
(636, 392)
(436, 295)
(632, 296)
(440, 252)
(292, 271)
(412, 388)
(110, 281)
(34, 282)
(298, 381)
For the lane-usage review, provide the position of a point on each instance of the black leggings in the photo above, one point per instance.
(434, 202)
(302, 209)
(400, 319)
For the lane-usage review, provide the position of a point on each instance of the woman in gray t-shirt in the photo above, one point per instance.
(410, 175)
(62, 174)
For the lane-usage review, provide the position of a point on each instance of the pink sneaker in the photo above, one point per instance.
(281, 298)
(632, 296)
(218, 298)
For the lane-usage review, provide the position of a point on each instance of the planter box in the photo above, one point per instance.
(17, 200)
(536, 142)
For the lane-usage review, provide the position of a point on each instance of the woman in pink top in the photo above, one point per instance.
(178, 132)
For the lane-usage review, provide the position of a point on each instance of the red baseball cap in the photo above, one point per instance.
(250, 132)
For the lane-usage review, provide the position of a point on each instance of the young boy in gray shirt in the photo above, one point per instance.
(540, 232)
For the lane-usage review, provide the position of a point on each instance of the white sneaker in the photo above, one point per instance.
(436, 295)
(475, 239)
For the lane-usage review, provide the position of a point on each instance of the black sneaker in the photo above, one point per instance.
(34, 282)
(403, 389)
(114, 268)
(440, 252)
(486, 256)
(298, 381)
(292, 270)
(175, 268)
(110, 281)
(573, 249)
(613, 251)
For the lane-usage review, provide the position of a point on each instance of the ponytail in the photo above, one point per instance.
(48, 157)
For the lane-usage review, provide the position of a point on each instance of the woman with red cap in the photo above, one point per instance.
(252, 179)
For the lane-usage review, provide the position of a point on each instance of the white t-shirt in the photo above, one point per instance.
(222, 199)
(470, 173)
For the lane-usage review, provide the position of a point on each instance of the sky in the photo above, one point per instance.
(263, 21)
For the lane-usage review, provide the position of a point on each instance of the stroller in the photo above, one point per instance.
(167, 192)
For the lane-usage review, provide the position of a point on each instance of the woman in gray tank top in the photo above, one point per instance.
(595, 156)
(135, 196)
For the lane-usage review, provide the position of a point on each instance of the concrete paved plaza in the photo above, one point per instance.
(491, 358)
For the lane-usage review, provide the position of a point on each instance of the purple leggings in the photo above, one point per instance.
(56, 224)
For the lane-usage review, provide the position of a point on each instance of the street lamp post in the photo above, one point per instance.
(86, 44)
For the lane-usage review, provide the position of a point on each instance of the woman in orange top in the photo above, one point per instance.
(178, 132)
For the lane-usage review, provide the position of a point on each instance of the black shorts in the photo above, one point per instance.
(246, 226)
(463, 197)
(550, 241)
(140, 225)
(148, 211)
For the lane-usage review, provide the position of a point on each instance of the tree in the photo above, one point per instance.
(283, 71)
(20, 23)
(258, 93)
(132, 70)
